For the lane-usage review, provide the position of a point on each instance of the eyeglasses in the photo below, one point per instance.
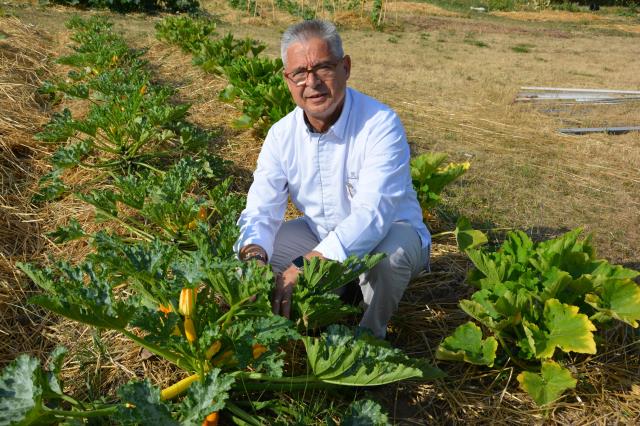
(324, 71)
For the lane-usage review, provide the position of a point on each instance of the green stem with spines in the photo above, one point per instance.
(241, 414)
(100, 412)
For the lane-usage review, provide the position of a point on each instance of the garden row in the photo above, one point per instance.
(256, 82)
(162, 272)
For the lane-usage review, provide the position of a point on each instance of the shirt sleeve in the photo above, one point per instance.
(382, 183)
(266, 200)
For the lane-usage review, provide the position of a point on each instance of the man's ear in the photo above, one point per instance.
(346, 63)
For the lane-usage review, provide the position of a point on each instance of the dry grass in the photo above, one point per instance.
(420, 9)
(23, 57)
(457, 97)
(453, 96)
(550, 16)
(98, 364)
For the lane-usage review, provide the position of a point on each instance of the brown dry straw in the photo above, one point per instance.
(24, 55)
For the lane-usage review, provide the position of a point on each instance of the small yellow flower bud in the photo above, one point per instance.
(187, 304)
(190, 330)
(213, 349)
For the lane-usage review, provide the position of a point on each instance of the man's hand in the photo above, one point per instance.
(285, 282)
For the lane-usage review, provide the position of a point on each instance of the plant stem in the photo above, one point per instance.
(103, 165)
(248, 381)
(226, 317)
(171, 357)
(284, 387)
(241, 414)
(441, 234)
(515, 360)
(260, 376)
(101, 412)
(160, 172)
(70, 400)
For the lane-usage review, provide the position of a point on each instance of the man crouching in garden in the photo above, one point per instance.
(343, 158)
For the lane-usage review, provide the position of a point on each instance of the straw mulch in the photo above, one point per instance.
(98, 363)
(24, 59)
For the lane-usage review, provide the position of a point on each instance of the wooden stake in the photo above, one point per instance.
(559, 89)
(608, 130)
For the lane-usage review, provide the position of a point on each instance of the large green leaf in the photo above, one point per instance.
(70, 155)
(554, 282)
(141, 404)
(54, 386)
(566, 328)
(314, 303)
(466, 344)
(272, 332)
(429, 177)
(466, 236)
(31, 395)
(90, 303)
(424, 165)
(21, 392)
(341, 358)
(203, 398)
(547, 386)
(617, 299)
(605, 270)
(493, 270)
(68, 233)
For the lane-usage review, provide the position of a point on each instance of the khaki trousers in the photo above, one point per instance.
(382, 287)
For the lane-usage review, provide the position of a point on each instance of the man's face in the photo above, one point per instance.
(318, 98)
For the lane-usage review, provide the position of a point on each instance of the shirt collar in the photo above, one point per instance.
(340, 126)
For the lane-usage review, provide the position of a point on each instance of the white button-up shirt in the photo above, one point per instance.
(351, 183)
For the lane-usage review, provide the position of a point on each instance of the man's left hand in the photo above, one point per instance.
(285, 282)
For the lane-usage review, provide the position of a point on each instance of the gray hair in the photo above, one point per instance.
(306, 30)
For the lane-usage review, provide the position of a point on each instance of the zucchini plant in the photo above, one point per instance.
(538, 302)
(125, 6)
(256, 82)
(315, 303)
(430, 176)
(293, 8)
(131, 124)
(259, 84)
(188, 197)
(186, 32)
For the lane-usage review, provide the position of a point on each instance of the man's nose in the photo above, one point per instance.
(312, 80)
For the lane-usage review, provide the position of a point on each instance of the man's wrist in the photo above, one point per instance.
(298, 263)
(253, 252)
(255, 256)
